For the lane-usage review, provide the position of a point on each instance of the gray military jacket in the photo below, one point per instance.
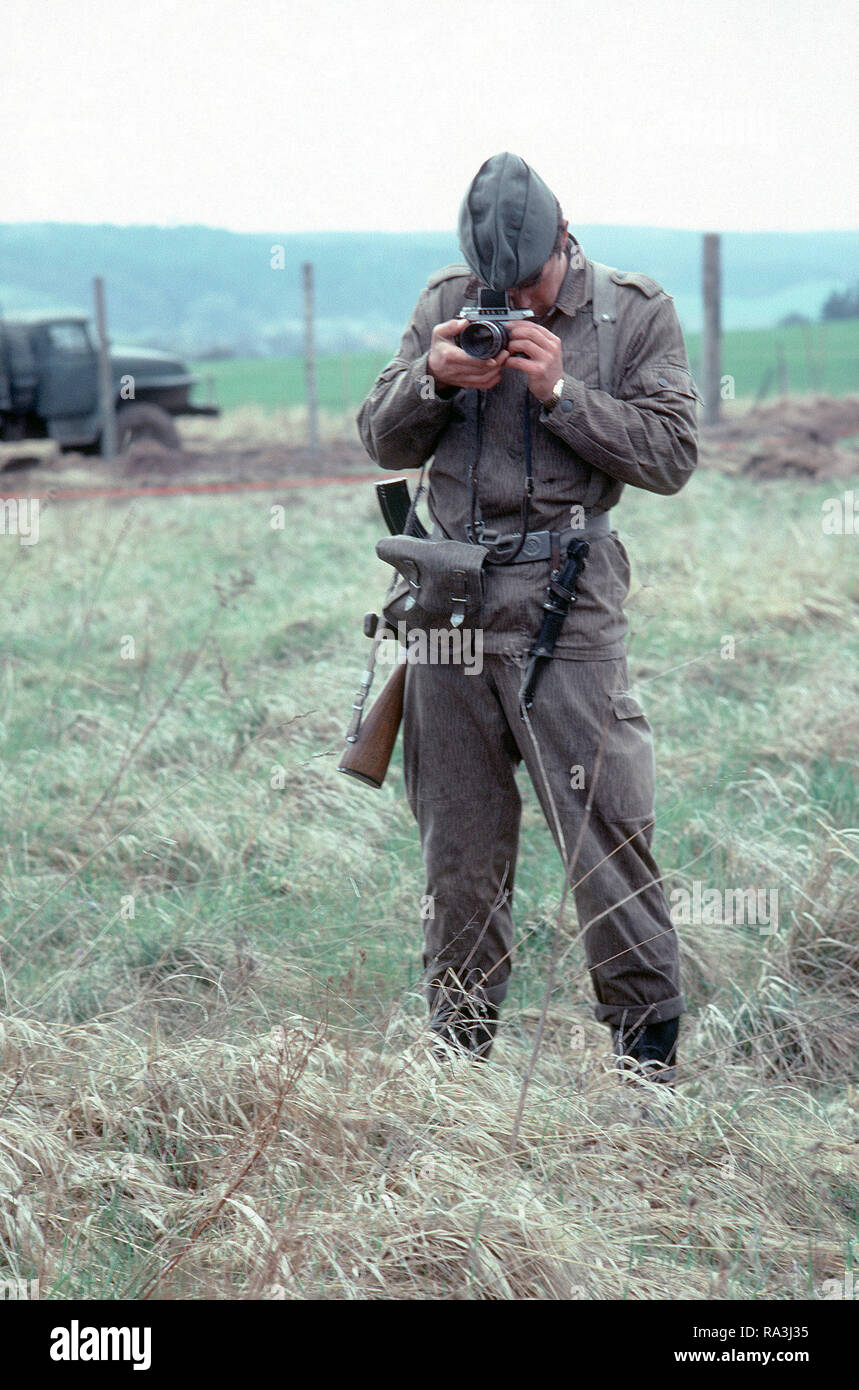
(584, 450)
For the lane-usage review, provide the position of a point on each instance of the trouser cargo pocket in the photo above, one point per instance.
(623, 769)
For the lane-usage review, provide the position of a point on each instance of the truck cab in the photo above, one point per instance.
(49, 385)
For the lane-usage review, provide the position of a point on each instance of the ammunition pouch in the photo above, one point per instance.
(440, 585)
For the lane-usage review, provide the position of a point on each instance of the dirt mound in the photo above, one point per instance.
(805, 437)
(808, 437)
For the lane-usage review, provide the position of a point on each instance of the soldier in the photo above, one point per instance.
(538, 439)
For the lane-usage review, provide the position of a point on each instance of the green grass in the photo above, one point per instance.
(288, 644)
(342, 381)
(819, 357)
(750, 357)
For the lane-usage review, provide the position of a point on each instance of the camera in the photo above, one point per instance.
(485, 334)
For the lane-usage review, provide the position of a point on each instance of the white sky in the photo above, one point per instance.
(281, 116)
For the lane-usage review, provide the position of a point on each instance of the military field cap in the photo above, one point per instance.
(507, 222)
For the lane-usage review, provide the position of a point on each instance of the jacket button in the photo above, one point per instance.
(566, 406)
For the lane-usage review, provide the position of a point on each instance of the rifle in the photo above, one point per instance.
(370, 742)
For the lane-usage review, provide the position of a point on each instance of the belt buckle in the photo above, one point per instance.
(533, 545)
(505, 545)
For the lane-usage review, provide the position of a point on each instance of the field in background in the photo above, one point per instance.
(817, 357)
(214, 1083)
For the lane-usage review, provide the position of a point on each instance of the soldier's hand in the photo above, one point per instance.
(448, 365)
(539, 354)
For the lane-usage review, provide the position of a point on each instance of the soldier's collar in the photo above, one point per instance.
(574, 291)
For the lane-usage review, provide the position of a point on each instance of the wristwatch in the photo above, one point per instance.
(557, 393)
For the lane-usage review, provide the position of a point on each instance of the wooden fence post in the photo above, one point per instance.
(712, 345)
(310, 359)
(105, 375)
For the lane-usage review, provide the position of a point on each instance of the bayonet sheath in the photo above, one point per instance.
(560, 597)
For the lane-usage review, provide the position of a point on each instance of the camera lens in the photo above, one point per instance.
(483, 339)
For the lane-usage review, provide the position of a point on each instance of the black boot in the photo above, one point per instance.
(464, 1018)
(648, 1051)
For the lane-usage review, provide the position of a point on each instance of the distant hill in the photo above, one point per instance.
(203, 289)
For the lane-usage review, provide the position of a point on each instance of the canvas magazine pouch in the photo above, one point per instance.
(441, 582)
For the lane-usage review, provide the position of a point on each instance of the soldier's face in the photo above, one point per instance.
(539, 294)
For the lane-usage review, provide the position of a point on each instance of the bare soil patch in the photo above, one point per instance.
(149, 465)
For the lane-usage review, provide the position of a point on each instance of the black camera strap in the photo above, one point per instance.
(475, 528)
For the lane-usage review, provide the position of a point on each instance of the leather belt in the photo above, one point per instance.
(548, 545)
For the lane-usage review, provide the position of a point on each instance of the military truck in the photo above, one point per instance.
(49, 385)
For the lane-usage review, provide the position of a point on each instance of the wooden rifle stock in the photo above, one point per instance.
(368, 757)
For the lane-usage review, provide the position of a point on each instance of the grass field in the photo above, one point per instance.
(750, 357)
(213, 1082)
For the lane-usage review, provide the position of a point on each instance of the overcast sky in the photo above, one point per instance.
(279, 116)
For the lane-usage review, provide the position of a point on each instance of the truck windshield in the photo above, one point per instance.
(69, 337)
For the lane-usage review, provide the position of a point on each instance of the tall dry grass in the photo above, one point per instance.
(228, 1094)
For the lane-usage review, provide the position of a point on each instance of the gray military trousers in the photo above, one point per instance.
(464, 738)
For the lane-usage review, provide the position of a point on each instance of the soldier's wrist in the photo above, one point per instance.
(440, 388)
(428, 387)
(556, 393)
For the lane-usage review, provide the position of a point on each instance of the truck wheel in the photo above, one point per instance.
(145, 421)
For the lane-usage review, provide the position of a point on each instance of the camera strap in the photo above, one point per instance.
(604, 310)
(475, 529)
